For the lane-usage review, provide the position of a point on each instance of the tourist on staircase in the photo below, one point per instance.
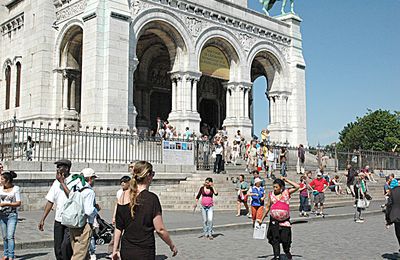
(219, 152)
(301, 158)
(319, 186)
(304, 203)
(282, 160)
(242, 188)
(206, 192)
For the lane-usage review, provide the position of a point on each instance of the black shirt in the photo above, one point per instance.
(351, 173)
(139, 231)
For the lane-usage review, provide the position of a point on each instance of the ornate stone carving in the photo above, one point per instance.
(246, 40)
(195, 25)
(11, 25)
(137, 6)
(71, 10)
(208, 15)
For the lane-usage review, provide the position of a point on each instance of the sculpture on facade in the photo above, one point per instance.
(268, 4)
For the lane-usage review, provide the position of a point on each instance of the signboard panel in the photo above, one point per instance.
(214, 63)
(178, 153)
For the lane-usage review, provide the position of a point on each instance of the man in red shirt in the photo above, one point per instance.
(319, 185)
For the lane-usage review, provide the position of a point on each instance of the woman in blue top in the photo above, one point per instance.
(257, 200)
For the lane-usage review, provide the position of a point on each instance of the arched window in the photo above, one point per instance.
(18, 85)
(8, 86)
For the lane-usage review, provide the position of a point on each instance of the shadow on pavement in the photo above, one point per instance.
(161, 257)
(391, 256)
(282, 256)
(30, 256)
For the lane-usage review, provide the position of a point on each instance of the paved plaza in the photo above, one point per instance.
(339, 239)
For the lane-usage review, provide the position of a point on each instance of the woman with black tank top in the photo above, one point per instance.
(138, 214)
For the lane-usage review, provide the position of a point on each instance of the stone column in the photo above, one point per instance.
(132, 112)
(65, 91)
(174, 94)
(237, 115)
(194, 94)
(72, 97)
(184, 113)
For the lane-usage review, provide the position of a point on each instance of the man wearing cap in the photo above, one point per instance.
(80, 237)
(319, 185)
(62, 244)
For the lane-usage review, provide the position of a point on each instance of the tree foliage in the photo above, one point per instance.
(378, 130)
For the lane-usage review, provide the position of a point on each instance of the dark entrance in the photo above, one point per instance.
(160, 105)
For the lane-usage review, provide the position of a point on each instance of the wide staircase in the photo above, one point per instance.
(181, 195)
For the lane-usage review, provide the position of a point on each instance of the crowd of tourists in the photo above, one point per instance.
(138, 212)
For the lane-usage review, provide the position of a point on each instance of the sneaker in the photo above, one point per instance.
(211, 237)
(237, 215)
(93, 257)
(249, 215)
(359, 221)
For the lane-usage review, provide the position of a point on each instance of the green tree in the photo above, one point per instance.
(378, 130)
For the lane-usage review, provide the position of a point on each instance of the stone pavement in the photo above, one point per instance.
(177, 222)
(333, 239)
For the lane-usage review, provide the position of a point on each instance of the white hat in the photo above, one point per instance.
(89, 172)
(257, 180)
(319, 173)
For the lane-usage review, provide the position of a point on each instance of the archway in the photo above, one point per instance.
(217, 63)
(159, 51)
(266, 77)
(71, 66)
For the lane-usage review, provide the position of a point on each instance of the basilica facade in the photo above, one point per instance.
(123, 63)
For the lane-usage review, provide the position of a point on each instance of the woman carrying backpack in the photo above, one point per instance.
(10, 200)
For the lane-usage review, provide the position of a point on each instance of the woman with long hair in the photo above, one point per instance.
(279, 229)
(138, 214)
(10, 200)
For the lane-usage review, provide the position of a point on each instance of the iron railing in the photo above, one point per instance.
(78, 144)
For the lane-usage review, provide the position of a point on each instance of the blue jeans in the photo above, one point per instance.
(303, 203)
(8, 224)
(283, 169)
(207, 213)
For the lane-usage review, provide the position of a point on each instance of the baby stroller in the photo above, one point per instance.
(103, 234)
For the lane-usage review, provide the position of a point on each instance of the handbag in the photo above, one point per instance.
(368, 197)
(259, 231)
(362, 203)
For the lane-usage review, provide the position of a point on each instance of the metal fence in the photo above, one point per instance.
(104, 145)
(79, 144)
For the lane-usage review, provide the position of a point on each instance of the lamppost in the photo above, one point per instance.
(336, 161)
(319, 155)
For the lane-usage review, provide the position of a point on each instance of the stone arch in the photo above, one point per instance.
(7, 72)
(265, 59)
(168, 26)
(61, 36)
(159, 42)
(69, 65)
(272, 65)
(228, 43)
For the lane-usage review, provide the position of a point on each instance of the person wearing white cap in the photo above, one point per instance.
(257, 200)
(80, 237)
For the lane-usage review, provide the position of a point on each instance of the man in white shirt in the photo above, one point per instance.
(62, 244)
(80, 237)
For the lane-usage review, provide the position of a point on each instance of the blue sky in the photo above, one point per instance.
(352, 52)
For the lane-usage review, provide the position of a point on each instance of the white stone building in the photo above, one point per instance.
(122, 63)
